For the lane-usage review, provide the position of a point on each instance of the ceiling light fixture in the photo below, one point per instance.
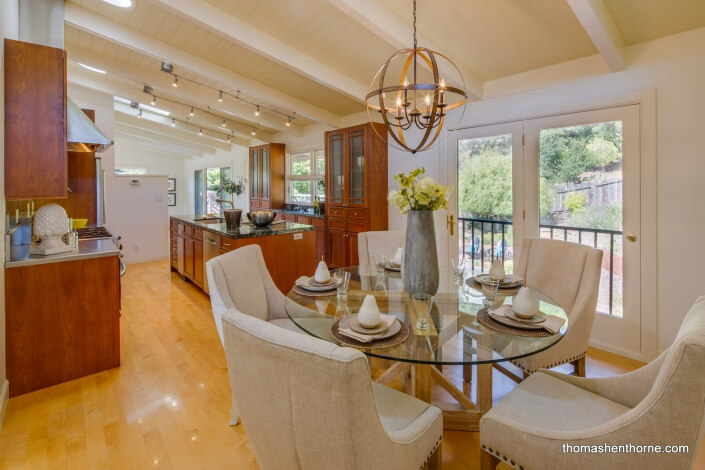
(200, 131)
(191, 113)
(228, 138)
(153, 101)
(288, 123)
(254, 132)
(139, 115)
(173, 122)
(223, 124)
(220, 96)
(419, 97)
(257, 111)
(92, 69)
(175, 83)
(119, 3)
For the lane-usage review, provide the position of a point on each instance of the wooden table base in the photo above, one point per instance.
(422, 376)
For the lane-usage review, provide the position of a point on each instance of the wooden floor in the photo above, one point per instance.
(168, 404)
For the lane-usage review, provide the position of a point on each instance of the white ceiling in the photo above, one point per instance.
(316, 58)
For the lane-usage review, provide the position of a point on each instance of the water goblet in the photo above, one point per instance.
(423, 303)
(489, 289)
(458, 269)
(342, 282)
(380, 263)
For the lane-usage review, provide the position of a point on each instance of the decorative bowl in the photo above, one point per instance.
(261, 218)
(79, 223)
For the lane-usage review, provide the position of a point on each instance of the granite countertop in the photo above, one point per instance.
(20, 255)
(310, 214)
(246, 230)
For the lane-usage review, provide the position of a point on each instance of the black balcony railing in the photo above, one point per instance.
(483, 240)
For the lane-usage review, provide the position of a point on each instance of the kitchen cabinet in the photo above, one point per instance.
(321, 239)
(193, 254)
(267, 177)
(62, 321)
(35, 121)
(356, 188)
(174, 244)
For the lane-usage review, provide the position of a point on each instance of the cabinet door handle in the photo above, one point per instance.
(212, 242)
(355, 213)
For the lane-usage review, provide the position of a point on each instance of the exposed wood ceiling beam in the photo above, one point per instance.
(131, 88)
(265, 45)
(388, 26)
(126, 144)
(159, 136)
(599, 25)
(158, 145)
(133, 39)
(176, 134)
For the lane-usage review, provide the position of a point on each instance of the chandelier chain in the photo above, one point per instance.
(414, 24)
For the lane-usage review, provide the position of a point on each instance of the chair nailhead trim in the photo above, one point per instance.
(574, 358)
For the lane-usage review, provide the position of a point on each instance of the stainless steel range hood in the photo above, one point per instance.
(82, 134)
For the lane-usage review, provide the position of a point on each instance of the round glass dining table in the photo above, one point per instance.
(454, 336)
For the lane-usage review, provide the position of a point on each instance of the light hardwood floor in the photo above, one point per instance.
(168, 404)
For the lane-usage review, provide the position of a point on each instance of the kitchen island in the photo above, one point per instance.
(289, 248)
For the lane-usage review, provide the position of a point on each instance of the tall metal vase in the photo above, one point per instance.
(420, 255)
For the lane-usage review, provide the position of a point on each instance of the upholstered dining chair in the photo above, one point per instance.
(310, 404)
(543, 422)
(569, 274)
(240, 280)
(371, 244)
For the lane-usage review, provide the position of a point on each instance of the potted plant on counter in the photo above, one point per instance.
(232, 186)
(418, 198)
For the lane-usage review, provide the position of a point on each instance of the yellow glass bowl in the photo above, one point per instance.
(79, 223)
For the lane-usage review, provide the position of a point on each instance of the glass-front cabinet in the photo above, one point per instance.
(336, 168)
(356, 165)
(267, 168)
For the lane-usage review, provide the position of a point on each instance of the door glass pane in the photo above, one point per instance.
(580, 197)
(212, 185)
(254, 172)
(356, 191)
(485, 201)
(336, 168)
(198, 191)
(264, 174)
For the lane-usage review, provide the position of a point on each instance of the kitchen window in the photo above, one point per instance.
(306, 177)
(131, 170)
(206, 183)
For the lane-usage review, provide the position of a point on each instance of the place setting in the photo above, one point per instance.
(319, 285)
(369, 328)
(522, 317)
(507, 283)
(393, 265)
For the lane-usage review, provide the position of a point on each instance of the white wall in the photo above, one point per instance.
(9, 28)
(131, 154)
(237, 159)
(675, 67)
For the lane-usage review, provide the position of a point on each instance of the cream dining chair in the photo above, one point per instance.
(569, 274)
(240, 280)
(546, 418)
(371, 244)
(309, 404)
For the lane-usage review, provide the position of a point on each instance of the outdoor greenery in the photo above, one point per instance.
(423, 194)
(567, 155)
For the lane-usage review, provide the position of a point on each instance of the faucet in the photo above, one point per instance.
(221, 201)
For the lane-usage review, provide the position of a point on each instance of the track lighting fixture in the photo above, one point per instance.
(173, 123)
(191, 113)
(220, 96)
(175, 83)
(257, 112)
(228, 138)
(139, 115)
(288, 123)
(223, 124)
(153, 102)
(200, 131)
(167, 67)
(254, 132)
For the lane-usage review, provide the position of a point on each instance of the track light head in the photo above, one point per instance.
(254, 132)
(220, 96)
(173, 122)
(223, 123)
(175, 83)
(153, 102)
(167, 67)
(139, 115)
(257, 111)
(200, 131)
(288, 123)
(191, 113)
(148, 90)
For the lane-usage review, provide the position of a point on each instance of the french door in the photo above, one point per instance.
(573, 177)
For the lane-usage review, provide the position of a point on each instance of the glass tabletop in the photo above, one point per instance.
(455, 336)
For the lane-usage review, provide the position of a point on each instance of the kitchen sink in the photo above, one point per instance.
(211, 220)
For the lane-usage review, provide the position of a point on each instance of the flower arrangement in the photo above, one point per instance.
(422, 194)
(236, 187)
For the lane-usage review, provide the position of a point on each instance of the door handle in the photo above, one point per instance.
(450, 222)
(631, 237)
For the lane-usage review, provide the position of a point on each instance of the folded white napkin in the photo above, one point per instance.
(388, 319)
(552, 323)
(397, 257)
(306, 282)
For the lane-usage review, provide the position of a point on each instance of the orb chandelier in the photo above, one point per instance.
(416, 106)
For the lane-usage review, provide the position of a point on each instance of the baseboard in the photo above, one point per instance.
(4, 398)
(145, 260)
(637, 356)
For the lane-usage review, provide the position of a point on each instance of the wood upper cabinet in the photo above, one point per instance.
(356, 188)
(267, 177)
(35, 121)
